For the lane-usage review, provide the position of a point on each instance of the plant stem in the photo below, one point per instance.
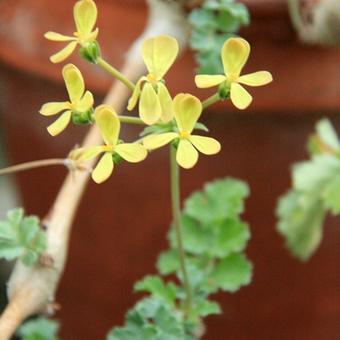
(130, 120)
(115, 73)
(294, 11)
(176, 211)
(211, 100)
(33, 165)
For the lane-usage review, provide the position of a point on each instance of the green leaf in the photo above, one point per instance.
(312, 176)
(220, 199)
(327, 134)
(155, 286)
(205, 307)
(150, 319)
(212, 24)
(231, 273)
(21, 237)
(39, 329)
(300, 219)
(331, 195)
(168, 262)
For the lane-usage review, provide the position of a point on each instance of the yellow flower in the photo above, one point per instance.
(155, 102)
(235, 53)
(80, 101)
(187, 110)
(85, 17)
(109, 126)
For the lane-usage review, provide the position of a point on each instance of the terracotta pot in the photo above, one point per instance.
(115, 242)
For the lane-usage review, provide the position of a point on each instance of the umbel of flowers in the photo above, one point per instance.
(174, 120)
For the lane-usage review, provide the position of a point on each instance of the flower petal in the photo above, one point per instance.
(204, 81)
(64, 53)
(74, 82)
(235, 53)
(239, 96)
(86, 102)
(152, 142)
(135, 95)
(60, 124)
(256, 79)
(149, 106)
(159, 53)
(52, 108)
(131, 152)
(108, 123)
(85, 16)
(87, 153)
(58, 37)
(166, 103)
(186, 155)
(206, 145)
(104, 168)
(188, 108)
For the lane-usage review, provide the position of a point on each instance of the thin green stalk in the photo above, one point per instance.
(176, 211)
(130, 120)
(211, 100)
(115, 73)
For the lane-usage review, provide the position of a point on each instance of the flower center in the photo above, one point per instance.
(232, 77)
(184, 134)
(151, 78)
(107, 148)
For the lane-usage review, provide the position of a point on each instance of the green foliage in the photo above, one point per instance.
(212, 24)
(39, 329)
(21, 237)
(316, 191)
(150, 319)
(214, 239)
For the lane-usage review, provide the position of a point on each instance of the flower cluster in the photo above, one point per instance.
(173, 120)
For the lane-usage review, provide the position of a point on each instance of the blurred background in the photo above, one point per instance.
(121, 226)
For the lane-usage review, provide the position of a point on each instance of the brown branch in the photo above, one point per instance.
(31, 290)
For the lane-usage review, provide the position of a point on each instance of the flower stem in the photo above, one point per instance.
(33, 165)
(294, 12)
(211, 100)
(130, 120)
(115, 73)
(176, 211)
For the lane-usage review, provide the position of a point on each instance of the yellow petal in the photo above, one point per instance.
(188, 108)
(149, 107)
(135, 95)
(104, 169)
(206, 145)
(60, 124)
(108, 124)
(239, 96)
(256, 79)
(64, 53)
(204, 81)
(131, 152)
(58, 37)
(159, 53)
(85, 16)
(85, 154)
(166, 103)
(74, 82)
(235, 53)
(186, 155)
(152, 142)
(85, 103)
(50, 109)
